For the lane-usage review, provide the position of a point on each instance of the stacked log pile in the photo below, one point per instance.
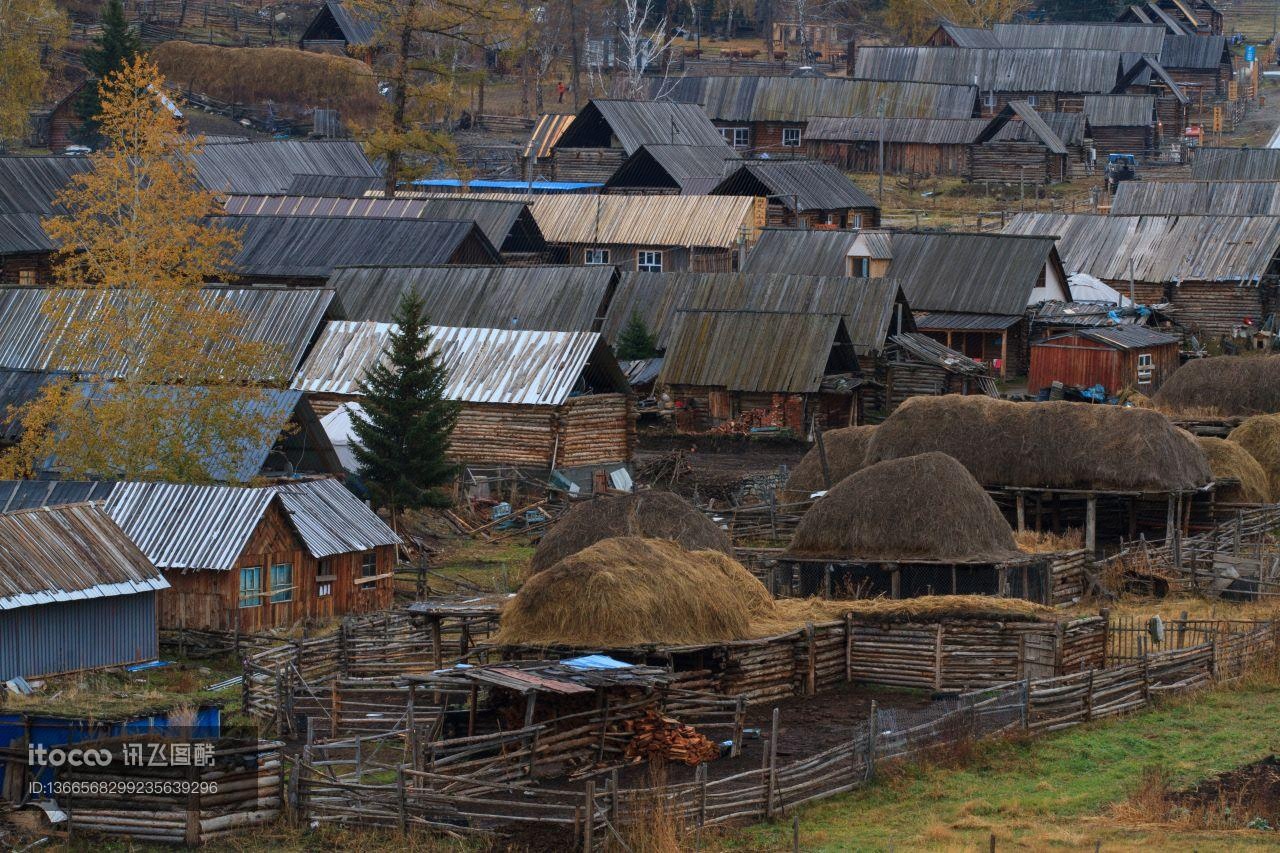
(656, 736)
(760, 670)
(1067, 577)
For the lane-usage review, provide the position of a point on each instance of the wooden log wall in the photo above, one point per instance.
(899, 157)
(1122, 140)
(1011, 162)
(596, 429)
(1067, 577)
(586, 164)
(513, 435)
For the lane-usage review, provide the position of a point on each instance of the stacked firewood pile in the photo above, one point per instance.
(656, 736)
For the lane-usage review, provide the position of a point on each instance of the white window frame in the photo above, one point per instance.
(649, 260)
(1033, 100)
(989, 100)
(594, 256)
(791, 137)
(730, 136)
(855, 220)
(281, 583)
(254, 598)
(1146, 368)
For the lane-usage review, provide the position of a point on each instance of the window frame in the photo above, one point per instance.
(603, 253)
(859, 267)
(730, 136)
(26, 278)
(642, 264)
(1033, 101)
(247, 601)
(283, 593)
(368, 565)
(1146, 368)
(789, 132)
(989, 100)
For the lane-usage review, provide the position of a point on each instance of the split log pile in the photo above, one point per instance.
(1067, 577)
(657, 736)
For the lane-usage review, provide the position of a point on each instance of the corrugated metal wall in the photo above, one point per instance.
(51, 638)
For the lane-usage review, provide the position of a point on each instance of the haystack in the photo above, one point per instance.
(1230, 461)
(924, 508)
(656, 515)
(1260, 437)
(1224, 386)
(845, 448)
(1054, 445)
(629, 591)
(926, 608)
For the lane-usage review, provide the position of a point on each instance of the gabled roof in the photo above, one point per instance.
(356, 28)
(1101, 35)
(1197, 198)
(797, 184)
(796, 99)
(996, 70)
(1199, 52)
(691, 169)
(334, 186)
(1239, 249)
(31, 494)
(69, 553)
(1127, 336)
(547, 131)
(636, 123)
(1069, 128)
(737, 350)
(1151, 13)
(559, 298)
(1033, 127)
(969, 36)
(507, 366)
(1120, 110)
(969, 273)
(313, 246)
(270, 167)
(207, 527)
(29, 184)
(23, 233)
(1236, 164)
(661, 220)
(801, 251)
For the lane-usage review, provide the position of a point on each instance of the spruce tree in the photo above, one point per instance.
(636, 341)
(407, 422)
(114, 48)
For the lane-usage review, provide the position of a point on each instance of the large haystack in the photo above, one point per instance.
(629, 591)
(1225, 386)
(921, 508)
(1260, 436)
(1054, 445)
(656, 515)
(845, 448)
(1230, 461)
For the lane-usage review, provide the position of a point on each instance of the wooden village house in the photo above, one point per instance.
(1115, 357)
(1023, 145)
(338, 28)
(75, 593)
(605, 133)
(719, 367)
(1122, 124)
(802, 193)
(28, 186)
(250, 559)
(672, 170)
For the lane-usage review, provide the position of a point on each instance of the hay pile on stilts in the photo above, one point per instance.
(1054, 445)
(654, 515)
(1230, 461)
(921, 508)
(1260, 436)
(630, 591)
(1230, 385)
(846, 448)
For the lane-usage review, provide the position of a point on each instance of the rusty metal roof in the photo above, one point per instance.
(68, 553)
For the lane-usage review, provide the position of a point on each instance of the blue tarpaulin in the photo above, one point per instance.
(595, 662)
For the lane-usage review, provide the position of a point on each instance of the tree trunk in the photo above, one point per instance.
(574, 52)
(400, 100)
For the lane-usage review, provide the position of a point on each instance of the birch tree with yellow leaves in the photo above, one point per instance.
(29, 30)
(155, 376)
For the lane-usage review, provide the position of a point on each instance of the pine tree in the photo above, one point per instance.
(113, 49)
(636, 341)
(404, 434)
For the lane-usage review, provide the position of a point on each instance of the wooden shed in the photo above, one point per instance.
(1122, 124)
(251, 559)
(1115, 357)
(606, 132)
(802, 192)
(75, 593)
(672, 170)
(919, 146)
(761, 368)
(1201, 64)
(1019, 145)
(338, 28)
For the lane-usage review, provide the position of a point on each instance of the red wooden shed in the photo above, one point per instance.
(1116, 357)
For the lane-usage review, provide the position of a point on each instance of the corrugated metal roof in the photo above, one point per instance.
(1236, 164)
(31, 494)
(970, 36)
(1101, 35)
(497, 219)
(995, 274)
(1162, 248)
(313, 246)
(556, 298)
(694, 169)
(1120, 110)
(738, 350)
(23, 233)
(29, 184)
(181, 526)
(961, 321)
(1197, 198)
(334, 186)
(925, 131)
(806, 184)
(1002, 70)
(636, 123)
(546, 133)
(796, 99)
(867, 305)
(1128, 336)
(664, 220)
(69, 553)
(285, 317)
(269, 167)
(510, 366)
(1193, 52)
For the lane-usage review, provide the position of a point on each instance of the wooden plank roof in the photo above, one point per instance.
(797, 99)
(1099, 35)
(798, 185)
(693, 169)
(1197, 198)
(995, 70)
(1120, 110)
(922, 131)
(636, 123)
(1194, 52)
(29, 184)
(663, 220)
(270, 167)
(1236, 164)
(999, 272)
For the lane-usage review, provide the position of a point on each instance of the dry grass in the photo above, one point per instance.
(662, 830)
(925, 507)
(846, 449)
(1046, 445)
(1173, 607)
(1045, 542)
(654, 515)
(791, 612)
(1230, 384)
(1230, 461)
(1260, 436)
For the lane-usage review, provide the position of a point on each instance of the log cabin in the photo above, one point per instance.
(1021, 144)
(672, 170)
(545, 401)
(75, 593)
(1122, 124)
(338, 28)
(802, 193)
(28, 187)
(1115, 357)
(605, 133)
(251, 559)
(1214, 272)
(926, 147)
(722, 366)
(1201, 64)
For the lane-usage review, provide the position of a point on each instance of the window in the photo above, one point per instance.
(989, 100)
(860, 267)
(281, 583)
(1033, 100)
(738, 137)
(369, 564)
(27, 278)
(648, 261)
(325, 578)
(791, 137)
(596, 257)
(251, 586)
(855, 220)
(1146, 367)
